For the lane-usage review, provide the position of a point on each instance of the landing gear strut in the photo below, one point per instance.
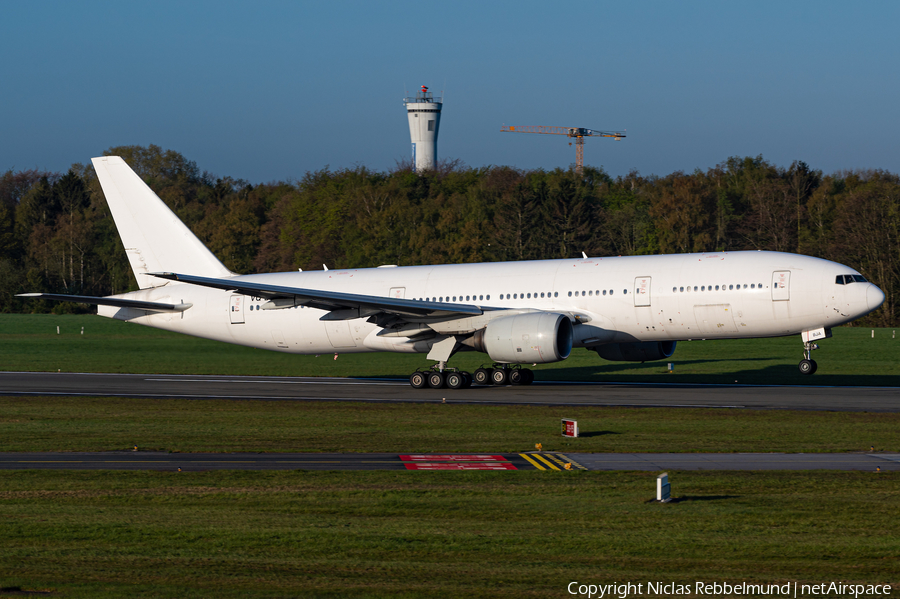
(807, 364)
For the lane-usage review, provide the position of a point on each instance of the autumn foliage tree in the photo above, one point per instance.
(57, 234)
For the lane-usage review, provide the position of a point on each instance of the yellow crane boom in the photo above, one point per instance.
(579, 133)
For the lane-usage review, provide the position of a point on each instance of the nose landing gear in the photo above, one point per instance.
(807, 364)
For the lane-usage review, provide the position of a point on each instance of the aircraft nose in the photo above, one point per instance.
(874, 297)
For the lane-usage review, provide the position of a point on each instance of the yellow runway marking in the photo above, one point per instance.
(532, 462)
(545, 460)
(571, 461)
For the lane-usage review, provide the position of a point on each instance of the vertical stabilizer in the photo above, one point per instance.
(155, 239)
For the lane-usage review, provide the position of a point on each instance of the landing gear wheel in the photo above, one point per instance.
(482, 376)
(528, 376)
(808, 366)
(417, 380)
(500, 376)
(455, 380)
(468, 377)
(516, 377)
(436, 380)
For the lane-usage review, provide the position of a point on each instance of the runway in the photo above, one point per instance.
(195, 462)
(546, 461)
(853, 399)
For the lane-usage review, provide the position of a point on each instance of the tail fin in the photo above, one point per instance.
(155, 240)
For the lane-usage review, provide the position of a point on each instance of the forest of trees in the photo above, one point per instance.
(57, 234)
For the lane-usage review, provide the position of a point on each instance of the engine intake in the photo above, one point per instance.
(535, 337)
(646, 351)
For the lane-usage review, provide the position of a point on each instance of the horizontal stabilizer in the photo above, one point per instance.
(110, 301)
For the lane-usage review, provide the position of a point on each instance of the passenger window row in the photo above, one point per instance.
(534, 295)
(453, 298)
(717, 287)
(591, 293)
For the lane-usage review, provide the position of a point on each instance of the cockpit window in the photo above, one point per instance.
(847, 279)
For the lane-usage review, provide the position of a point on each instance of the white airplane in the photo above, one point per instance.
(631, 308)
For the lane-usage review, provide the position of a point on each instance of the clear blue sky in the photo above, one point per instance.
(269, 90)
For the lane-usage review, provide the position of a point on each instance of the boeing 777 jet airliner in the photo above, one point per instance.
(625, 308)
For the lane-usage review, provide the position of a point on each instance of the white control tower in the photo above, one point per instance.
(424, 113)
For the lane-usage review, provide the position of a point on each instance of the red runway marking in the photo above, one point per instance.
(458, 466)
(452, 458)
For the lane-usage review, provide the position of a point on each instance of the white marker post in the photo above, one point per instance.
(569, 427)
(663, 488)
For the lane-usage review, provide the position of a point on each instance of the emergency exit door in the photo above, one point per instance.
(236, 309)
(781, 285)
(642, 291)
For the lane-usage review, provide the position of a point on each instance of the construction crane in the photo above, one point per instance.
(579, 133)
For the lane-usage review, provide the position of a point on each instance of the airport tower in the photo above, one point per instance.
(424, 113)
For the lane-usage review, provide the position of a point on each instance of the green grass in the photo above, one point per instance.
(429, 534)
(104, 424)
(400, 534)
(30, 342)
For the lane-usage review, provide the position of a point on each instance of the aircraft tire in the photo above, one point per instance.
(500, 376)
(808, 366)
(482, 376)
(468, 377)
(528, 376)
(455, 380)
(516, 377)
(436, 380)
(417, 380)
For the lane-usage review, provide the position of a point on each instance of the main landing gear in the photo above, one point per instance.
(807, 364)
(504, 374)
(498, 374)
(438, 379)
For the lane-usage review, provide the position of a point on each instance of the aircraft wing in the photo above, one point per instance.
(110, 301)
(341, 306)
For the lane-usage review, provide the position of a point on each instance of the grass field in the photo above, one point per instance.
(430, 534)
(30, 342)
(104, 424)
(396, 534)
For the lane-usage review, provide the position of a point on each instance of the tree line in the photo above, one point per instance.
(57, 234)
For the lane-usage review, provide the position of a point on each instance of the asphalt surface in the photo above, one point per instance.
(187, 462)
(868, 399)
(871, 399)
(194, 462)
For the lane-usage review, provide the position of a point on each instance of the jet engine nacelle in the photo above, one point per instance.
(636, 352)
(535, 337)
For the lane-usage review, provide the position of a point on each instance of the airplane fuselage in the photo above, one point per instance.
(612, 300)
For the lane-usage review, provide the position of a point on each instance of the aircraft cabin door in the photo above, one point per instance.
(781, 285)
(642, 291)
(236, 309)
